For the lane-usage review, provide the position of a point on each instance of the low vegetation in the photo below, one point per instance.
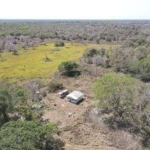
(29, 64)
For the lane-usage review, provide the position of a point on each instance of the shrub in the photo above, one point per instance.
(133, 66)
(144, 69)
(15, 52)
(114, 94)
(54, 86)
(97, 57)
(67, 67)
(31, 135)
(132, 60)
(90, 52)
(59, 44)
(127, 99)
(6, 105)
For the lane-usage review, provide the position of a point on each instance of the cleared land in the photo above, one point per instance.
(76, 131)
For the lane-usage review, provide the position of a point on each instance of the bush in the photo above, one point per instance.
(30, 135)
(133, 66)
(97, 57)
(6, 105)
(54, 86)
(59, 44)
(67, 67)
(132, 60)
(15, 52)
(144, 69)
(90, 52)
(127, 99)
(114, 94)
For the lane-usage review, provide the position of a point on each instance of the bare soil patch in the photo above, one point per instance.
(77, 133)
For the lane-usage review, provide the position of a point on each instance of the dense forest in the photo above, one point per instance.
(109, 61)
(23, 34)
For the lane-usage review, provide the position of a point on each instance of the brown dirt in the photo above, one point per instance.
(77, 133)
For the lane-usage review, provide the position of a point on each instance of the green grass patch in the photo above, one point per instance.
(31, 63)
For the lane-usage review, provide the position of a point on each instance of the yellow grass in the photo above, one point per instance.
(30, 63)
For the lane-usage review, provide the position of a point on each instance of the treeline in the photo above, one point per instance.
(24, 34)
(132, 60)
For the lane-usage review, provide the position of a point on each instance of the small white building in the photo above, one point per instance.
(75, 97)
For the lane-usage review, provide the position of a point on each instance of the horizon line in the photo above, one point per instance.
(74, 19)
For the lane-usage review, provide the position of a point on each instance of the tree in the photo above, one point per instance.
(29, 135)
(144, 69)
(127, 100)
(67, 67)
(115, 93)
(5, 105)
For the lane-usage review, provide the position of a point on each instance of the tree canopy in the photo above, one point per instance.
(67, 67)
(114, 91)
(127, 100)
(5, 105)
(28, 135)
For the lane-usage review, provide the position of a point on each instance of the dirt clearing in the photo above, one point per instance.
(77, 133)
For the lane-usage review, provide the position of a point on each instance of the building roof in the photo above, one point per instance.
(75, 95)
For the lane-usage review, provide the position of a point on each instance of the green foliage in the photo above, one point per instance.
(32, 64)
(127, 100)
(67, 66)
(144, 69)
(20, 93)
(28, 135)
(114, 93)
(133, 66)
(5, 105)
(22, 106)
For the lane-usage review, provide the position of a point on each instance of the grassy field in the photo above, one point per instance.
(31, 63)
